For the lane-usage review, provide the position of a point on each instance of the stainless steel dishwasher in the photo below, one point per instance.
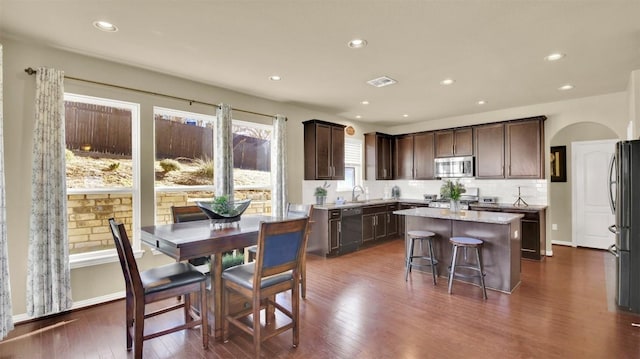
(351, 230)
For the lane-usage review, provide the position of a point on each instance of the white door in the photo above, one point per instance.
(590, 204)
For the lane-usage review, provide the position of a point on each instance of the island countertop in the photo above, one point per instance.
(465, 215)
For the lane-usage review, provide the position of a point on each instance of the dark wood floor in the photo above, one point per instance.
(359, 306)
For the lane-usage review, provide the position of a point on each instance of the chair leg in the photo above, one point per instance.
(303, 276)
(225, 314)
(295, 309)
(409, 258)
(204, 315)
(187, 307)
(129, 313)
(452, 271)
(257, 338)
(138, 335)
(481, 270)
(433, 265)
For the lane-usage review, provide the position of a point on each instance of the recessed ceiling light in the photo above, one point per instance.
(405, 115)
(105, 26)
(554, 57)
(566, 87)
(275, 78)
(481, 102)
(357, 43)
(358, 116)
(447, 82)
(365, 102)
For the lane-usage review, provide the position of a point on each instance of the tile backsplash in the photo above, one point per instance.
(532, 191)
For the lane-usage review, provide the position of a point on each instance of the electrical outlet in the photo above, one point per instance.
(554, 227)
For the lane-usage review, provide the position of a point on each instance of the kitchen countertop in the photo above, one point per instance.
(508, 206)
(469, 216)
(373, 202)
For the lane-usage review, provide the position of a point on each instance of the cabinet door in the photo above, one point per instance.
(463, 142)
(530, 238)
(423, 155)
(489, 141)
(524, 149)
(368, 228)
(444, 143)
(334, 235)
(403, 168)
(383, 154)
(381, 225)
(323, 151)
(392, 225)
(337, 153)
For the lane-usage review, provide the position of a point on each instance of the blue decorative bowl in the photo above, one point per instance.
(236, 209)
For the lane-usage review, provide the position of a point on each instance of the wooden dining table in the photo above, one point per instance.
(188, 240)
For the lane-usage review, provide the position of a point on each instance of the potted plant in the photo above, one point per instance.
(321, 193)
(453, 191)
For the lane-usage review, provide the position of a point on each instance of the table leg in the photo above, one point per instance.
(216, 286)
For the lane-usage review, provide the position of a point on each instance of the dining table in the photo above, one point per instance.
(188, 240)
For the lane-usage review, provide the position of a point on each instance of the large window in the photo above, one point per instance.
(184, 159)
(252, 164)
(101, 174)
(352, 165)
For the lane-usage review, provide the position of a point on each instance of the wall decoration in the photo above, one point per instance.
(558, 164)
(350, 130)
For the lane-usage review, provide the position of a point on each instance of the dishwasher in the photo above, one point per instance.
(350, 230)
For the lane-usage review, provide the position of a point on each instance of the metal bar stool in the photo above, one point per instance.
(421, 236)
(466, 242)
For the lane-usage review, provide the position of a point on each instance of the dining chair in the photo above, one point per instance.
(276, 269)
(156, 284)
(182, 214)
(294, 209)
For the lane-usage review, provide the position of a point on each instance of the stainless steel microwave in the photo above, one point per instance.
(454, 167)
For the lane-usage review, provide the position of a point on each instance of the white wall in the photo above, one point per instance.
(634, 103)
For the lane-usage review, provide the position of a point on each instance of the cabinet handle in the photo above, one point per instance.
(388, 218)
(454, 148)
(339, 227)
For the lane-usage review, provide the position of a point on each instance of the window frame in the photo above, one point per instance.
(357, 180)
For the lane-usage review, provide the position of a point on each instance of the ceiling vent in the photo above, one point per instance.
(382, 81)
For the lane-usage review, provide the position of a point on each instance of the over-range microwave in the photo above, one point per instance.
(454, 167)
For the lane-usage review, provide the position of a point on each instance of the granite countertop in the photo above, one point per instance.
(377, 201)
(470, 216)
(507, 206)
(349, 204)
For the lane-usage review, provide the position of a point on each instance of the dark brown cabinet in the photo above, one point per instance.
(489, 144)
(378, 156)
(392, 221)
(523, 148)
(455, 142)
(374, 223)
(414, 156)
(323, 150)
(334, 231)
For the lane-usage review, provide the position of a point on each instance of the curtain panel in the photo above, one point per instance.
(223, 174)
(279, 166)
(48, 273)
(6, 310)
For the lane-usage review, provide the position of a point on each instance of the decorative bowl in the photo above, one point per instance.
(232, 214)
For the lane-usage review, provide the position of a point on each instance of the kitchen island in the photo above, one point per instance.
(500, 232)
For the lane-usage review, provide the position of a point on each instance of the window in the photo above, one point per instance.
(184, 144)
(252, 164)
(101, 174)
(352, 165)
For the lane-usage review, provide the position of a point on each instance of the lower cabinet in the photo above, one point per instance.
(334, 231)
(374, 223)
(392, 221)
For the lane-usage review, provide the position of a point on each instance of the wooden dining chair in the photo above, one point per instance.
(276, 269)
(182, 214)
(294, 210)
(155, 284)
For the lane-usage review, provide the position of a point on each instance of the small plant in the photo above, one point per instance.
(322, 191)
(222, 205)
(169, 165)
(112, 166)
(205, 167)
(452, 190)
(231, 260)
(68, 154)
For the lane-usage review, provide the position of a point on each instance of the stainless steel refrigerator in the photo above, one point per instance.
(624, 196)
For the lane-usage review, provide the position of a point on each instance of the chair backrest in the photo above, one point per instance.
(299, 209)
(280, 247)
(127, 260)
(187, 214)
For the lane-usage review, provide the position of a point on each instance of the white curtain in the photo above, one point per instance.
(223, 174)
(279, 166)
(48, 273)
(6, 312)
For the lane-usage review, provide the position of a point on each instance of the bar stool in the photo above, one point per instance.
(466, 242)
(421, 236)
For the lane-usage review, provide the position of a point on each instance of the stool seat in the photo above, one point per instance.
(420, 234)
(466, 241)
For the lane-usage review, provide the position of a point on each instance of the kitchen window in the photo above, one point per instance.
(352, 165)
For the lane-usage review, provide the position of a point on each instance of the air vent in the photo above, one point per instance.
(382, 81)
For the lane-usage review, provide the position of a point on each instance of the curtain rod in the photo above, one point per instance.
(31, 71)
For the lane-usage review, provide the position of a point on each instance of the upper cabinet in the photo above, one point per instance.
(455, 142)
(489, 142)
(414, 154)
(323, 150)
(523, 148)
(378, 156)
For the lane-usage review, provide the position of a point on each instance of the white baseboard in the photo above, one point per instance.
(563, 243)
(77, 305)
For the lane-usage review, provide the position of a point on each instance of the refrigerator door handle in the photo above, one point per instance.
(613, 250)
(612, 182)
(613, 229)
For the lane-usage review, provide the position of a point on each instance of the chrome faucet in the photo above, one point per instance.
(354, 196)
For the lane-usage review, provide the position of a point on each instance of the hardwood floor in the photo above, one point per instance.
(359, 306)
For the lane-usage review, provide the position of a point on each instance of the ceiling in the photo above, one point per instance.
(494, 50)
